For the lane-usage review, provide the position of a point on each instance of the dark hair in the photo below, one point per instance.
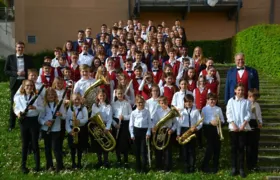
(47, 57)
(129, 60)
(20, 43)
(212, 96)
(97, 100)
(186, 59)
(45, 64)
(239, 85)
(254, 92)
(188, 97)
(81, 31)
(138, 52)
(139, 67)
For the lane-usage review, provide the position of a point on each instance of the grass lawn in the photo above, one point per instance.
(10, 158)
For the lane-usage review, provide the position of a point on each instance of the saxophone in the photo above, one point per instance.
(189, 134)
(76, 128)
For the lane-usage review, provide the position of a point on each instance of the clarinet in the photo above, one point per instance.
(56, 110)
(24, 113)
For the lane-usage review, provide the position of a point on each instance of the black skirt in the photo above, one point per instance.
(82, 139)
(123, 140)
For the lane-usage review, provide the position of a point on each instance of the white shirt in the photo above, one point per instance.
(82, 116)
(47, 114)
(183, 121)
(21, 101)
(178, 99)
(85, 58)
(105, 111)
(144, 67)
(20, 65)
(160, 113)
(121, 108)
(82, 85)
(238, 111)
(55, 63)
(59, 93)
(211, 113)
(140, 119)
(257, 114)
(240, 72)
(181, 60)
(152, 105)
(217, 76)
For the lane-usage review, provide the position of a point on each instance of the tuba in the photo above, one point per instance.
(219, 126)
(96, 127)
(189, 135)
(91, 93)
(161, 137)
(76, 128)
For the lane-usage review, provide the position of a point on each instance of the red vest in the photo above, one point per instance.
(113, 77)
(175, 67)
(59, 72)
(136, 86)
(158, 76)
(200, 98)
(146, 93)
(147, 60)
(46, 82)
(213, 86)
(197, 67)
(244, 81)
(117, 61)
(132, 75)
(168, 93)
(75, 74)
(204, 73)
(191, 86)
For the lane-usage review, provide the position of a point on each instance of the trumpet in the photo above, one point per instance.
(161, 135)
(189, 134)
(76, 128)
(219, 126)
(96, 127)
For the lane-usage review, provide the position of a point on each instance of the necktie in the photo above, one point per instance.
(242, 68)
(19, 57)
(85, 54)
(155, 70)
(189, 114)
(139, 78)
(80, 41)
(129, 72)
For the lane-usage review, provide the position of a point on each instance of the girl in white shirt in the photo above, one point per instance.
(178, 97)
(51, 128)
(103, 107)
(152, 103)
(79, 112)
(238, 114)
(29, 125)
(121, 115)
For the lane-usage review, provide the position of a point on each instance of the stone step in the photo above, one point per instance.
(274, 124)
(272, 160)
(271, 119)
(273, 177)
(275, 131)
(269, 151)
(270, 137)
(269, 144)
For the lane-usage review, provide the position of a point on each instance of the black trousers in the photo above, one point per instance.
(213, 146)
(237, 142)
(29, 131)
(52, 141)
(140, 148)
(123, 140)
(189, 153)
(164, 158)
(12, 120)
(252, 145)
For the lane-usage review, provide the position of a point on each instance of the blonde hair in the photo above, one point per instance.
(22, 90)
(50, 90)
(201, 57)
(56, 80)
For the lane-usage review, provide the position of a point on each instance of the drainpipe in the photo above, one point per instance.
(271, 15)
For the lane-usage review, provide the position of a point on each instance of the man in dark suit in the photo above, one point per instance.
(16, 68)
(240, 74)
(77, 45)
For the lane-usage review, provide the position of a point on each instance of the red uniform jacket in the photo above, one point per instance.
(158, 75)
(200, 98)
(244, 81)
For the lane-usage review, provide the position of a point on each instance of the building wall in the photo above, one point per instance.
(7, 38)
(53, 22)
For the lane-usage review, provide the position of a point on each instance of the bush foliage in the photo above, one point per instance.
(261, 46)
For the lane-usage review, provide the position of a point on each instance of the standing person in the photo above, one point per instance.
(29, 127)
(238, 112)
(16, 68)
(241, 74)
(140, 129)
(253, 137)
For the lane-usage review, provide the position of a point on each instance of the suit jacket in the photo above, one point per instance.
(231, 81)
(10, 68)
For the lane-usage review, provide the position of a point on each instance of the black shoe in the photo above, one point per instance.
(126, 165)
(233, 172)
(242, 173)
(25, 170)
(74, 166)
(118, 164)
(138, 170)
(107, 165)
(59, 168)
(98, 165)
(205, 170)
(50, 168)
(144, 170)
(214, 170)
(79, 166)
(37, 169)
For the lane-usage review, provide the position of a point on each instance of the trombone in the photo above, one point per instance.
(219, 125)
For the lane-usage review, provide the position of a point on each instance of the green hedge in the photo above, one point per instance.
(220, 50)
(261, 46)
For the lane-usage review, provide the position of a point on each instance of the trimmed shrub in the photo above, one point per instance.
(261, 46)
(220, 50)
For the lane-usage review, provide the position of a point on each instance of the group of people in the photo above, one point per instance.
(146, 73)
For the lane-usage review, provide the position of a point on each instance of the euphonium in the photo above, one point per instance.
(219, 127)
(161, 133)
(96, 127)
(189, 135)
(76, 128)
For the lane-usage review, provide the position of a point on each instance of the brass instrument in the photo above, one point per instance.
(219, 126)
(189, 135)
(75, 129)
(96, 127)
(161, 133)
(91, 93)
(128, 87)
